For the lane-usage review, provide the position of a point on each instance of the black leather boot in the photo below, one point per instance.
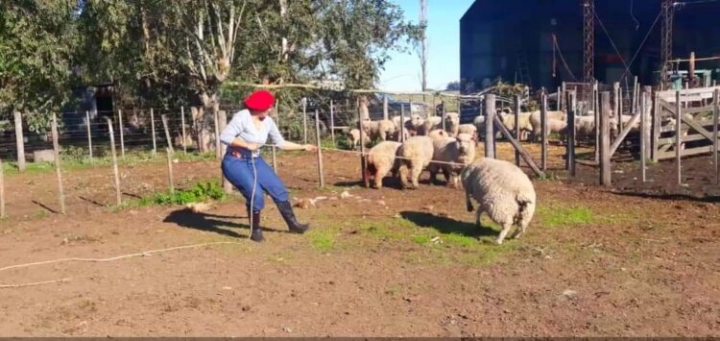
(256, 231)
(289, 216)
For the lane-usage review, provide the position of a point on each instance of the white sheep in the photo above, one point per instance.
(508, 120)
(354, 138)
(429, 124)
(452, 123)
(535, 118)
(380, 161)
(459, 150)
(413, 156)
(378, 129)
(502, 190)
(470, 129)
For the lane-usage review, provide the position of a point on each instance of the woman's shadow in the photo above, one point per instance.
(219, 224)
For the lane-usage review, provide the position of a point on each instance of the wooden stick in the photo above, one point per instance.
(544, 132)
(114, 162)
(220, 125)
(216, 123)
(518, 100)
(363, 164)
(385, 107)
(164, 119)
(319, 150)
(304, 108)
(596, 112)
(2, 191)
(528, 159)
(152, 128)
(489, 126)
(605, 167)
(89, 135)
(678, 137)
(332, 123)
(716, 113)
(184, 136)
(122, 134)
(635, 102)
(643, 129)
(169, 152)
(58, 168)
(19, 141)
(617, 105)
(402, 123)
(570, 149)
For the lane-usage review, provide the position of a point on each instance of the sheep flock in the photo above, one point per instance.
(408, 147)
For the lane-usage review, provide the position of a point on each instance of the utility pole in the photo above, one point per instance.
(588, 48)
(423, 43)
(589, 41)
(666, 42)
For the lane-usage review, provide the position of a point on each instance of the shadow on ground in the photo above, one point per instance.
(668, 196)
(212, 222)
(447, 225)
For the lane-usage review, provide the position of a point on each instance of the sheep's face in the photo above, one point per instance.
(464, 143)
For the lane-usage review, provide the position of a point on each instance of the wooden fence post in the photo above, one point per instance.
(605, 167)
(643, 130)
(152, 130)
(116, 173)
(122, 134)
(363, 164)
(2, 191)
(332, 123)
(570, 150)
(596, 112)
(385, 107)
(319, 149)
(20, 141)
(164, 119)
(89, 135)
(171, 183)
(543, 132)
(489, 126)
(58, 168)
(678, 137)
(716, 113)
(518, 100)
(304, 109)
(182, 122)
(402, 123)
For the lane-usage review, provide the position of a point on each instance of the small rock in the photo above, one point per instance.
(227, 288)
(569, 293)
(199, 207)
(428, 207)
(302, 203)
(381, 202)
(345, 195)
(287, 329)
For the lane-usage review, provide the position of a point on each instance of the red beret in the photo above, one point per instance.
(260, 100)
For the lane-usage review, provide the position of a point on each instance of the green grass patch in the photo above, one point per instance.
(211, 190)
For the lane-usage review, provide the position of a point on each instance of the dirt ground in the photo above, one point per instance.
(379, 263)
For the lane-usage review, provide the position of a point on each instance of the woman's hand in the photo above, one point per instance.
(309, 148)
(252, 147)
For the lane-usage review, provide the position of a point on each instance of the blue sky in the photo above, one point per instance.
(402, 72)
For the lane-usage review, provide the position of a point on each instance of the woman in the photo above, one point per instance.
(247, 131)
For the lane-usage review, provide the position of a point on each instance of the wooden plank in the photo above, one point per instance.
(605, 166)
(623, 133)
(518, 100)
(687, 95)
(716, 113)
(571, 140)
(655, 127)
(678, 138)
(697, 127)
(489, 130)
(525, 155)
(688, 152)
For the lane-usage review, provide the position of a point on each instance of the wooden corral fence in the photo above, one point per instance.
(696, 128)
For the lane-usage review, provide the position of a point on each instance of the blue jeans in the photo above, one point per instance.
(239, 171)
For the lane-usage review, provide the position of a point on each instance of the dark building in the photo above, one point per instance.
(496, 37)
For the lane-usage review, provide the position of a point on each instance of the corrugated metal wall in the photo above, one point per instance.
(493, 32)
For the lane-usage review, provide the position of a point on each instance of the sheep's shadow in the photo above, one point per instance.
(447, 225)
(713, 199)
(208, 222)
(387, 182)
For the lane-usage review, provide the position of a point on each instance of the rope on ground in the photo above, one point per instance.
(111, 259)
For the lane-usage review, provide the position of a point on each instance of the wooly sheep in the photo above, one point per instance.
(354, 138)
(468, 129)
(380, 161)
(508, 120)
(459, 150)
(452, 123)
(438, 134)
(503, 191)
(413, 156)
(429, 124)
(535, 118)
(378, 129)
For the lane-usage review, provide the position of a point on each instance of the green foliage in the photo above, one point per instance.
(200, 192)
